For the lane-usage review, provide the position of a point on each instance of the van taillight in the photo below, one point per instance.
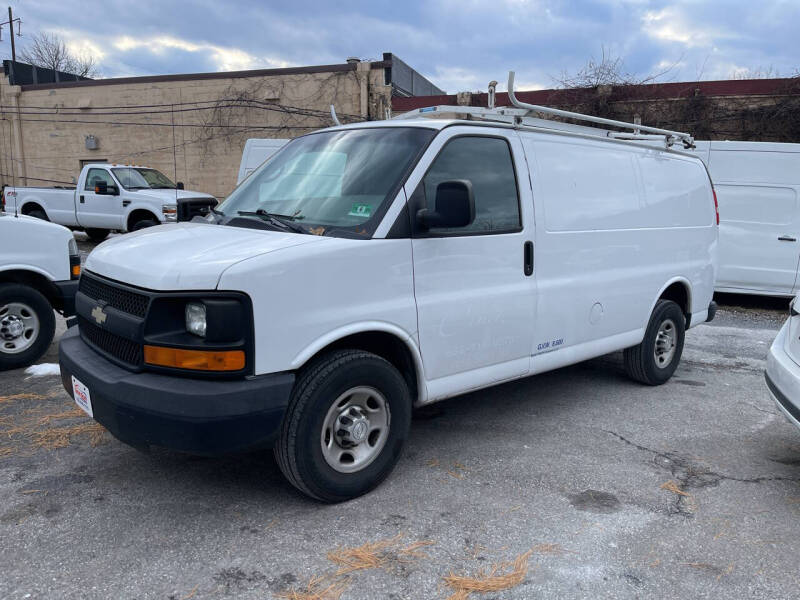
(716, 204)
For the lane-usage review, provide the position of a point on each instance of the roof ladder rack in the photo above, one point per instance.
(669, 137)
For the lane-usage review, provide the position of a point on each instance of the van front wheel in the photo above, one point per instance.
(654, 360)
(345, 426)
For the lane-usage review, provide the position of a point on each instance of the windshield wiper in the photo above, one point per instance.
(283, 221)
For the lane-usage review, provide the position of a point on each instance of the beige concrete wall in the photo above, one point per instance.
(207, 143)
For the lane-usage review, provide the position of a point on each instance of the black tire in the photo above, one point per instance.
(28, 296)
(142, 224)
(97, 235)
(641, 363)
(38, 214)
(299, 449)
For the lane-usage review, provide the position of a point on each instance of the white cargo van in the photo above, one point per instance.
(758, 189)
(39, 270)
(256, 151)
(373, 267)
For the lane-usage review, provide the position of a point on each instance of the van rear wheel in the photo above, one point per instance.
(345, 427)
(654, 360)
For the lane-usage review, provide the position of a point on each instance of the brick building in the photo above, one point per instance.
(755, 109)
(190, 126)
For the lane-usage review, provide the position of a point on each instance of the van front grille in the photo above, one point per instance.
(124, 350)
(120, 298)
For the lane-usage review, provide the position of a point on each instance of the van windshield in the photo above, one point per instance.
(333, 179)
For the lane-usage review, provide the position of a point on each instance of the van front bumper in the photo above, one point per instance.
(783, 378)
(200, 416)
(65, 298)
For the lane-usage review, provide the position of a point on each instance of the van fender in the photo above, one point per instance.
(678, 279)
(30, 268)
(367, 327)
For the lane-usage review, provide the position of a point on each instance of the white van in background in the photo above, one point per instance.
(369, 268)
(758, 190)
(256, 151)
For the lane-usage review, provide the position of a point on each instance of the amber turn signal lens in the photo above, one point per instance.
(76, 270)
(196, 360)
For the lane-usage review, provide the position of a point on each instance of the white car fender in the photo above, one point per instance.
(679, 279)
(31, 268)
(139, 205)
(366, 327)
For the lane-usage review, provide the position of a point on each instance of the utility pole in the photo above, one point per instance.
(10, 23)
(11, 27)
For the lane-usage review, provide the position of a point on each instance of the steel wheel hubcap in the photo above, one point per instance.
(19, 327)
(355, 429)
(666, 339)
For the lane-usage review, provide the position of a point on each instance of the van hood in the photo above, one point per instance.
(185, 256)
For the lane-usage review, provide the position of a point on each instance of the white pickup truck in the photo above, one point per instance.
(111, 197)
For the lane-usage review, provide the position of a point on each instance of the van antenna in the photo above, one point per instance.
(492, 90)
(334, 117)
(670, 136)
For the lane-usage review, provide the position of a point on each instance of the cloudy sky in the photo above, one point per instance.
(458, 44)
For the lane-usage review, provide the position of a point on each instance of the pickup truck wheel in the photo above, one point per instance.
(654, 360)
(27, 325)
(144, 223)
(38, 214)
(97, 235)
(345, 427)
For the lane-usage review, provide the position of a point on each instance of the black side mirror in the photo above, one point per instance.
(179, 185)
(455, 206)
(101, 187)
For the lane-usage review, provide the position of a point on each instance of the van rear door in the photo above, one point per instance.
(474, 285)
(759, 212)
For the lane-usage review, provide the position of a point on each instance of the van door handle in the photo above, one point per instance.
(82, 201)
(528, 259)
(126, 202)
(787, 238)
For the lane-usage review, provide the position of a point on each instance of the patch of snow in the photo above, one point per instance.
(43, 370)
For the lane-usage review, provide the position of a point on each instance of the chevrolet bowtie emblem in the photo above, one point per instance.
(99, 315)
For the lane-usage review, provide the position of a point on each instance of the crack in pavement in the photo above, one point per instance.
(690, 476)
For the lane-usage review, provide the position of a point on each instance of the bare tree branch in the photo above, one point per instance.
(49, 51)
(608, 70)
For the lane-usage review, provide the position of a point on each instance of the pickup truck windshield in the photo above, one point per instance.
(133, 178)
(334, 179)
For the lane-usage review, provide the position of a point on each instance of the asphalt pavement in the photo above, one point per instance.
(617, 490)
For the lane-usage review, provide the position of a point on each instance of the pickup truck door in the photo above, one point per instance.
(474, 286)
(96, 210)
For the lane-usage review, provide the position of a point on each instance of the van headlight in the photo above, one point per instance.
(196, 318)
(170, 212)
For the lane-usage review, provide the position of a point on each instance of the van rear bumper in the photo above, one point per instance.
(200, 416)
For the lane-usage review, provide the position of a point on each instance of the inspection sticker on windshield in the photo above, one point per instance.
(360, 210)
(82, 398)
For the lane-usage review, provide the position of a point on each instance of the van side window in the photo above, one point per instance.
(95, 175)
(487, 163)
